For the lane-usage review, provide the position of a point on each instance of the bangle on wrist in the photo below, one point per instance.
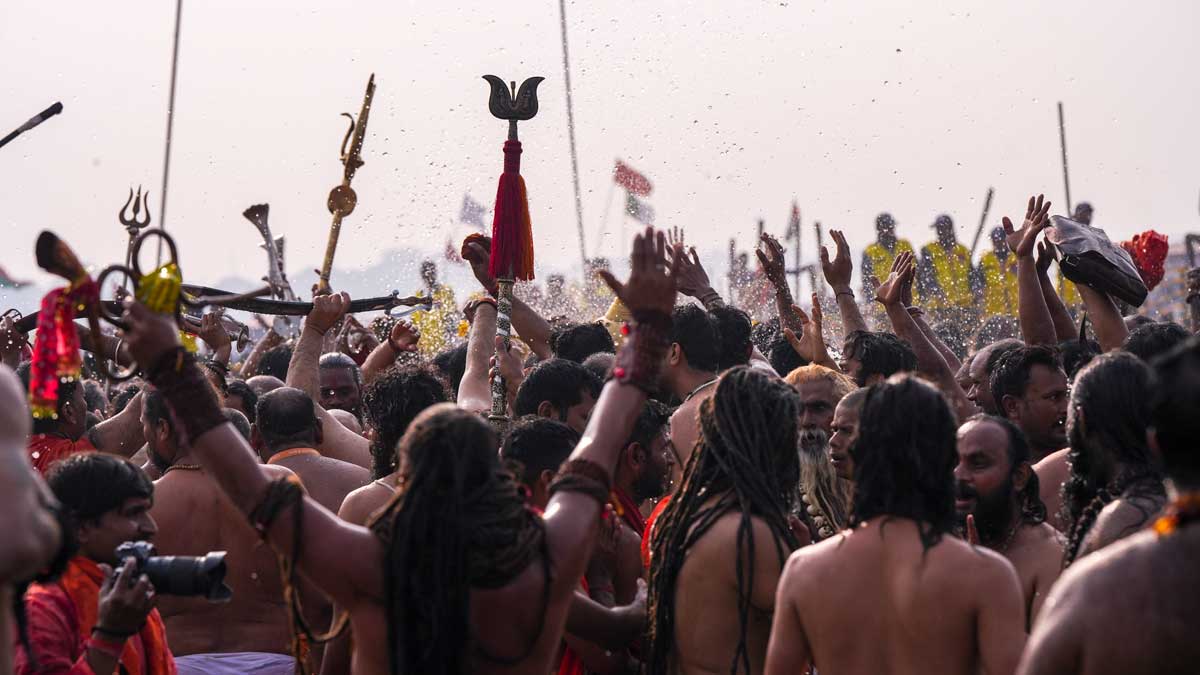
(844, 291)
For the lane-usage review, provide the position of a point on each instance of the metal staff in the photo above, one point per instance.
(33, 122)
(276, 276)
(512, 238)
(342, 199)
(1062, 141)
(133, 226)
(987, 206)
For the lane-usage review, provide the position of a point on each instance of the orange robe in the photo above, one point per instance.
(46, 449)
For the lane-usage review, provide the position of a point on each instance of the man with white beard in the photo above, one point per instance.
(824, 502)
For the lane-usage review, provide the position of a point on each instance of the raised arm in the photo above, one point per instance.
(1037, 326)
(1107, 321)
(693, 280)
(580, 492)
(214, 335)
(268, 342)
(526, 322)
(837, 275)
(337, 441)
(475, 391)
(929, 359)
(811, 343)
(153, 339)
(402, 339)
(918, 315)
(770, 257)
(120, 434)
(1064, 325)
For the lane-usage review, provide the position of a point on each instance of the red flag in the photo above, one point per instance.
(631, 180)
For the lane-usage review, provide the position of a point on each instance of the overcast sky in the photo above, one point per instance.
(730, 108)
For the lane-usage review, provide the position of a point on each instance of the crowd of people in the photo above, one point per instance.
(957, 473)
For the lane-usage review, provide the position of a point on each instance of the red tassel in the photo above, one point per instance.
(512, 231)
(56, 349)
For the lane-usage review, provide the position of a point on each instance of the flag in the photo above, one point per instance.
(472, 212)
(793, 229)
(631, 180)
(639, 210)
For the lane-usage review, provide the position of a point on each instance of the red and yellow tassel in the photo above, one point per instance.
(56, 355)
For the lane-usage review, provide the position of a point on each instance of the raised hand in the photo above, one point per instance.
(150, 334)
(326, 311)
(891, 292)
(1044, 257)
(770, 256)
(213, 332)
(404, 337)
(510, 367)
(691, 278)
(125, 601)
(652, 278)
(11, 341)
(477, 251)
(1022, 241)
(675, 237)
(838, 271)
(810, 344)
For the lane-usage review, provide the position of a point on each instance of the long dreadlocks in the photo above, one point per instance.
(456, 522)
(1109, 456)
(744, 461)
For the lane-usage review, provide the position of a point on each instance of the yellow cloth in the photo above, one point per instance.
(952, 271)
(438, 323)
(1068, 293)
(999, 284)
(616, 317)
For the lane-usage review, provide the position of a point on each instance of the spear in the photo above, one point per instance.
(512, 234)
(1062, 142)
(343, 199)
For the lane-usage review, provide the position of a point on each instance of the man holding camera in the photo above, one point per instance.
(92, 620)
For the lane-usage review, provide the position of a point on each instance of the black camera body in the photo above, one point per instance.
(179, 575)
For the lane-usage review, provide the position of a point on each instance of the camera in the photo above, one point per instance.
(177, 574)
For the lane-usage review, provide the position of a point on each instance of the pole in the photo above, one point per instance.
(987, 205)
(562, 13)
(796, 257)
(820, 243)
(1062, 141)
(162, 201)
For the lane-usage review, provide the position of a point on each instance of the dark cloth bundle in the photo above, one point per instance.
(1087, 256)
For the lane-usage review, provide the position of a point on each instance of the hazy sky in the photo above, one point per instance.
(730, 108)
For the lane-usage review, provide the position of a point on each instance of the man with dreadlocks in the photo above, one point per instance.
(720, 544)
(456, 574)
(1115, 486)
(996, 497)
(930, 602)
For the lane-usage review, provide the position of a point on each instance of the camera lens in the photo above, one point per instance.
(186, 575)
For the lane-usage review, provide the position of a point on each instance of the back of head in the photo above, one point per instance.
(1176, 413)
(734, 327)
(15, 421)
(248, 396)
(392, 401)
(904, 457)
(1113, 394)
(1076, 354)
(286, 417)
(123, 397)
(880, 354)
(536, 444)
(1155, 339)
(275, 362)
(261, 384)
(698, 337)
(559, 381)
(600, 365)
(577, 342)
(952, 334)
(90, 484)
(93, 395)
(239, 422)
(1012, 367)
(452, 363)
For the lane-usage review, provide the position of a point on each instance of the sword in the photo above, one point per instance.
(276, 276)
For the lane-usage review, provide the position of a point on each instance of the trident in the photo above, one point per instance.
(132, 225)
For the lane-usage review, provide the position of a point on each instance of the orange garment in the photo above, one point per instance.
(46, 449)
(70, 605)
(570, 663)
(650, 521)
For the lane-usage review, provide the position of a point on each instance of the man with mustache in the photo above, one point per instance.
(1030, 390)
(996, 497)
(824, 499)
(845, 432)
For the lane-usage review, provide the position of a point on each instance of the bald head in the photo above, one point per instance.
(261, 384)
(14, 414)
(284, 418)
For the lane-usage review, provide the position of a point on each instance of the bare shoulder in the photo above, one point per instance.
(275, 472)
(1121, 518)
(358, 506)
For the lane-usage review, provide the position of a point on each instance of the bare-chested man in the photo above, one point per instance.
(408, 584)
(708, 613)
(690, 373)
(898, 593)
(194, 517)
(1133, 607)
(996, 487)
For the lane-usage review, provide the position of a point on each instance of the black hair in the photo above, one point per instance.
(576, 342)
(243, 391)
(286, 415)
(452, 363)
(536, 444)
(765, 334)
(904, 458)
(123, 396)
(1152, 339)
(784, 358)
(734, 327)
(339, 361)
(239, 421)
(649, 423)
(880, 354)
(1011, 371)
(696, 333)
(600, 365)
(559, 381)
(274, 362)
(93, 395)
(154, 407)
(1114, 395)
(392, 401)
(1076, 354)
(746, 463)
(1033, 509)
(90, 484)
(1176, 412)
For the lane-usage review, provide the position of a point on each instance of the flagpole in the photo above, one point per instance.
(562, 13)
(600, 238)
(162, 200)
(796, 255)
(1062, 142)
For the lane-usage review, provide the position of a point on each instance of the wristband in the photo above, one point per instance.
(846, 292)
(640, 358)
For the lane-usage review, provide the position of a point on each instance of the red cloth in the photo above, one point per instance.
(56, 349)
(570, 663)
(628, 510)
(631, 180)
(512, 233)
(46, 449)
(61, 617)
(1149, 253)
(648, 532)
